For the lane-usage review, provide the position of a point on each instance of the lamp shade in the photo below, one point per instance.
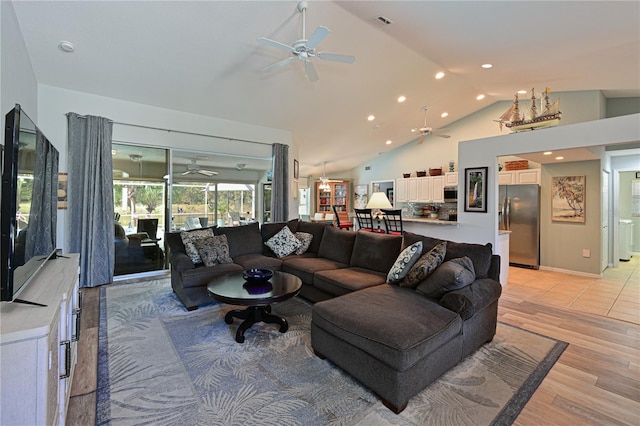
(379, 200)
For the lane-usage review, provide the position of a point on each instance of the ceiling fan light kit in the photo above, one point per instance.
(425, 130)
(305, 49)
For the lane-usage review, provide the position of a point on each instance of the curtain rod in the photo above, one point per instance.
(181, 131)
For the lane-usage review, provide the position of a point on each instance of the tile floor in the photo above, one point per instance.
(615, 295)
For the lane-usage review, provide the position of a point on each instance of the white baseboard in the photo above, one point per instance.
(567, 271)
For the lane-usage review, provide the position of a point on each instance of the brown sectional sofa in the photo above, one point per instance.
(392, 339)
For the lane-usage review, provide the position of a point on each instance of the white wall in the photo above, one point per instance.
(18, 83)
(55, 102)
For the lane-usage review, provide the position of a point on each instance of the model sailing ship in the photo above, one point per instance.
(550, 116)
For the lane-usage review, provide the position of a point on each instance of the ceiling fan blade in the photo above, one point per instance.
(347, 59)
(422, 136)
(310, 71)
(279, 64)
(207, 172)
(441, 135)
(188, 172)
(276, 44)
(318, 35)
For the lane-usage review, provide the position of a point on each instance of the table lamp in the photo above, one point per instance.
(379, 201)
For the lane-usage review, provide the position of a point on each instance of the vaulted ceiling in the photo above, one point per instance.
(203, 57)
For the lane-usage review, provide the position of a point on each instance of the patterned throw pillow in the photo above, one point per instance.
(188, 237)
(425, 266)
(404, 262)
(305, 238)
(283, 243)
(214, 250)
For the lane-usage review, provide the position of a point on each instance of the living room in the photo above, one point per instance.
(48, 103)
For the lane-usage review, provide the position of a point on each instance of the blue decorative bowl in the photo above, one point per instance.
(257, 274)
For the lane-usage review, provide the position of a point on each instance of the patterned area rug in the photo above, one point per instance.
(161, 365)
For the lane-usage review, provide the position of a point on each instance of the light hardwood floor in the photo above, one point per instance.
(596, 381)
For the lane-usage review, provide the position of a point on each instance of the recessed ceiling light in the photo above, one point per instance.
(480, 97)
(439, 75)
(389, 142)
(66, 46)
(487, 66)
(559, 158)
(547, 153)
(522, 92)
(444, 114)
(371, 117)
(402, 98)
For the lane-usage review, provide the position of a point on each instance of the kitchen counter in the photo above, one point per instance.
(429, 221)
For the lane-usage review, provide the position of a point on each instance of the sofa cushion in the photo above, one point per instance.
(375, 251)
(479, 254)
(473, 298)
(214, 250)
(406, 259)
(315, 229)
(244, 239)
(305, 240)
(250, 261)
(283, 243)
(188, 239)
(202, 275)
(424, 266)
(337, 245)
(305, 267)
(427, 242)
(452, 275)
(393, 324)
(342, 281)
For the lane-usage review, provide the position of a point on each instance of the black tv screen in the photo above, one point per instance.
(29, 203)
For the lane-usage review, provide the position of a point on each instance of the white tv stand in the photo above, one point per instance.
(38, 346)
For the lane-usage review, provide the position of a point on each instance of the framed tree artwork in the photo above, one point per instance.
(475, 186)
(568, 195)
(361, 197)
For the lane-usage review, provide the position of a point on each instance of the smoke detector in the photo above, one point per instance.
(240, 166)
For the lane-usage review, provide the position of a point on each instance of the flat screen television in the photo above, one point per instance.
(29, 203)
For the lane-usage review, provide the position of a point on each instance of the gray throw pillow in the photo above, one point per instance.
(404, 262)
(425, 266)
(188, 237)
(452, 275)
(214, 251)
(305, 240)
(283, 243)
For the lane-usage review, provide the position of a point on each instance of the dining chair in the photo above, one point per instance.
(365, 219)
(342, 219)
(393, 221)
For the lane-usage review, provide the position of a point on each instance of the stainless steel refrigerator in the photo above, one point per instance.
(519, 211)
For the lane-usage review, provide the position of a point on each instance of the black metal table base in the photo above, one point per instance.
(252, 315)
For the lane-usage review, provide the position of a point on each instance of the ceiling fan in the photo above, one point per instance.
(424, 130)
(324, 181)
(193, 168)
(305, 49)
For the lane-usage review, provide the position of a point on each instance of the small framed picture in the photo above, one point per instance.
(390, 195)
(475, 185)
(62, 190)
(296, 169)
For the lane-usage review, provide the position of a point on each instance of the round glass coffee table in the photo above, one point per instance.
(256, 295)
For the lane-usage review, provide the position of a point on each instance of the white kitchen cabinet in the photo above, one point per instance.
(451, 179)
(413, 194)
(401, 195)
(519, 177)
(425, 184)
(437, 189)
(38, 346)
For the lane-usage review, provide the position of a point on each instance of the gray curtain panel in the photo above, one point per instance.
(89, 225)
(280, 183)
(43, 217)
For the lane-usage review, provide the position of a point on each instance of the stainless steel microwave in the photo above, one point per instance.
(450, 194)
